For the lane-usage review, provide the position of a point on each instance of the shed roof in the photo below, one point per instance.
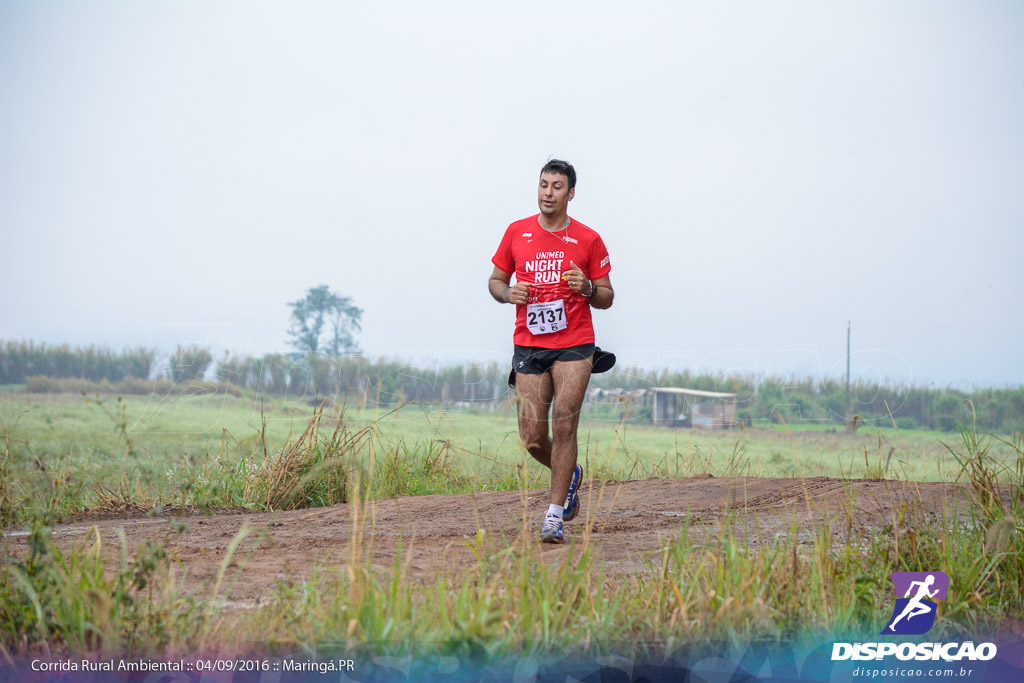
(692, 392)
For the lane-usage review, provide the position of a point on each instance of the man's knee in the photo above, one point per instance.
(534, 433)
(564, 423)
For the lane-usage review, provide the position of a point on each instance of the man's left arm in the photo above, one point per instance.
(599, 292)
(604, 295)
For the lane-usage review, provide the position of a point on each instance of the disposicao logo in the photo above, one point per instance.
(913, 615)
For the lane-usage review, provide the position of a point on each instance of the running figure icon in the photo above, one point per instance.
(915, 606)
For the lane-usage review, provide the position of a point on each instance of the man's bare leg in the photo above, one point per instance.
(570, 379)
(534, 394)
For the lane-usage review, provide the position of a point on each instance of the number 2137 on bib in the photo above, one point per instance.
(547, 317)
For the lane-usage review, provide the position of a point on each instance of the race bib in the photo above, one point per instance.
(547, 317)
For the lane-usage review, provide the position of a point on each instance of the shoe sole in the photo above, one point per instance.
(550, 538)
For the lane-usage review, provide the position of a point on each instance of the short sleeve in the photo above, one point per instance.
(503, 257)
(600, 263)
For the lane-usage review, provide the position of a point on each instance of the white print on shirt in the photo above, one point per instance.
(547, 267)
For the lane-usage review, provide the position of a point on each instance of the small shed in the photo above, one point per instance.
(675, 407)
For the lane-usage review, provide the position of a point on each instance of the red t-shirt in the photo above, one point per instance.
(540, 257)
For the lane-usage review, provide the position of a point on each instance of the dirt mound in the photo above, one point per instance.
(630, 521)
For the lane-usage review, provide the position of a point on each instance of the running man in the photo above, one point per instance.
(561, 268)
(915, 606)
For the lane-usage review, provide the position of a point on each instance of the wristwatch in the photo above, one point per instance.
(592, 289)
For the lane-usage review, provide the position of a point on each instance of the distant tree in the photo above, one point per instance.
(322, 312)
(346, 320)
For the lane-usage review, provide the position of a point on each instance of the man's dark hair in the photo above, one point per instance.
(563, 167)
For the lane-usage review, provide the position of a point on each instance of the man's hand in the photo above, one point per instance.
(577, 281)
(519, 293)
(502, 293)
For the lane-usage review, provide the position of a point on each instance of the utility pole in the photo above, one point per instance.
(847, 368)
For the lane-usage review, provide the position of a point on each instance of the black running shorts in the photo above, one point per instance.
(533, 360)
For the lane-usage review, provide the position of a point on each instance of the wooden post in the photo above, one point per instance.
(847, 370)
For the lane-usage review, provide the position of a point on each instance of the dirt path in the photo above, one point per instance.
(630, 521)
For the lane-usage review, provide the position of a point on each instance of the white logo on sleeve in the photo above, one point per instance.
(527, 234)
(605, 260)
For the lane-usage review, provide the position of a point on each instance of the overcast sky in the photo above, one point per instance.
(760, 172)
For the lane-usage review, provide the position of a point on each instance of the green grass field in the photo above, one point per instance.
(63, 454)
(154, 448)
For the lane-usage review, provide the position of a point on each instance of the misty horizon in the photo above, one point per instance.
(761, 174)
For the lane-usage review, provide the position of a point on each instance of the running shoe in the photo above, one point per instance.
(551, 530)
(572, 501)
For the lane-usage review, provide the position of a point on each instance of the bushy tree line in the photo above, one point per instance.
(801, 400)
(360, 380)
(189, 362)
(21, 359)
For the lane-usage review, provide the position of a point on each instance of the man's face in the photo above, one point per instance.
(553, 193)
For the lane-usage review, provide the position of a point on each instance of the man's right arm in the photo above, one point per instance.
(498, 285)
(502, 293)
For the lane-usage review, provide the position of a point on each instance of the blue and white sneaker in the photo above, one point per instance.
(572, 501)
(551, 530)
